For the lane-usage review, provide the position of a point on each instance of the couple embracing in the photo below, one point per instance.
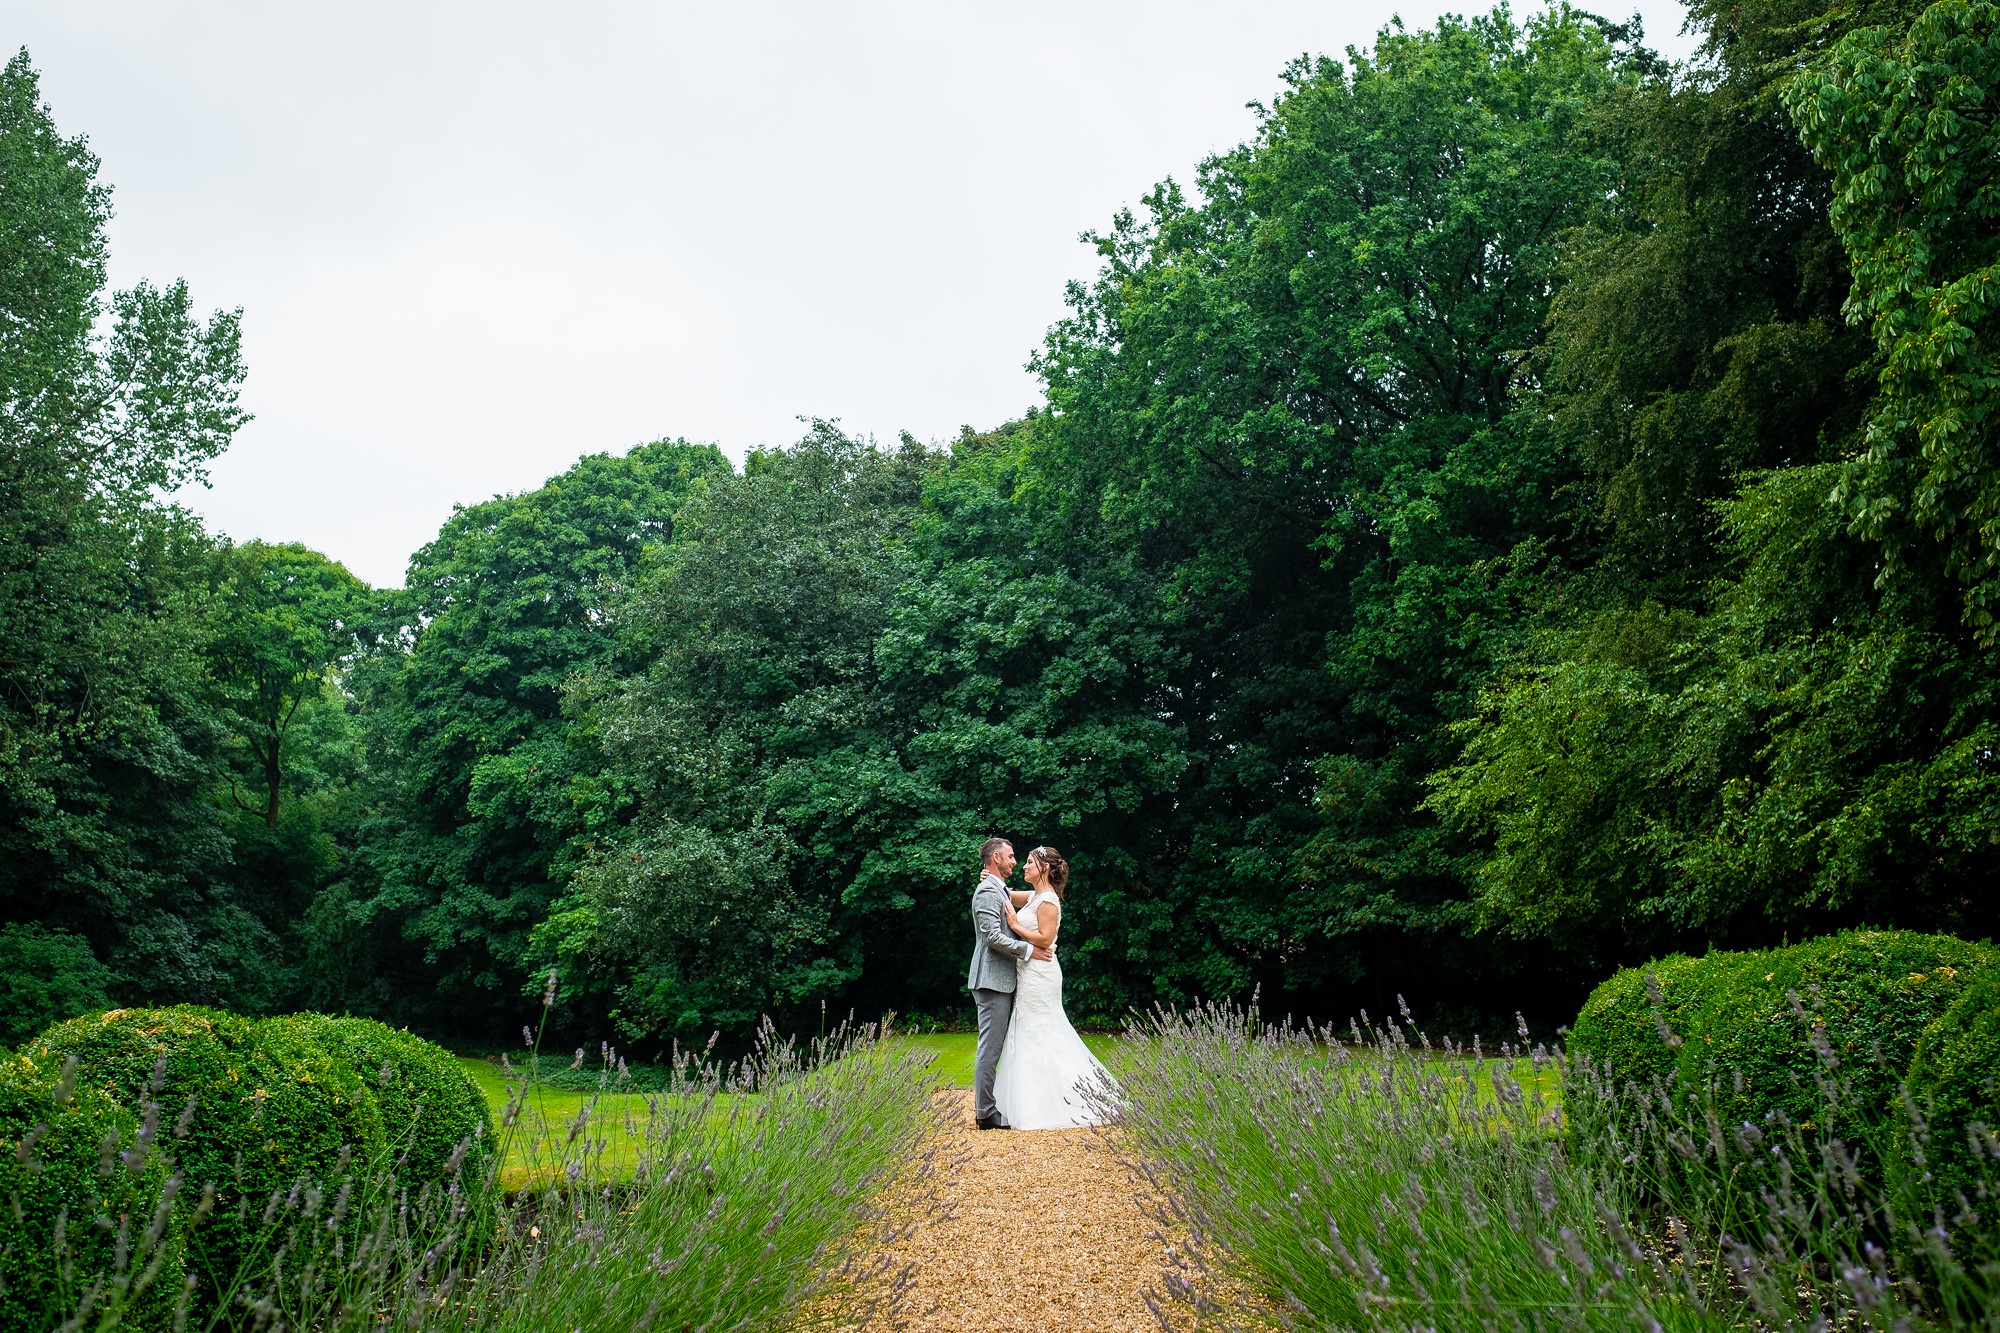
(1032, 1069)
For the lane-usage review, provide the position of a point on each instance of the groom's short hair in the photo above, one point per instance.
(991, 846)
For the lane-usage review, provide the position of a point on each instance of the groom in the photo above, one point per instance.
(996, 950)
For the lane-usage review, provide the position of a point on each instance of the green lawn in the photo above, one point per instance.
(541, 1136)
(953, 1052)
(951, 1057)
(538, 1142)
(542, 1133)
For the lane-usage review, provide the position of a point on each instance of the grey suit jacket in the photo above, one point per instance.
(995, 947)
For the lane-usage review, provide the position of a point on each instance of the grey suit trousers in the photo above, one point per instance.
(996, 1007)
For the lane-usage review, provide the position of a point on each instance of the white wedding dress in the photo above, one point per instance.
(1044, 1063)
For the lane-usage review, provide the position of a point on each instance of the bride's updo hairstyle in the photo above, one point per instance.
(1057, 869)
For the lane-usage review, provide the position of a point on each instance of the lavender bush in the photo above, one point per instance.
(1369, 1179)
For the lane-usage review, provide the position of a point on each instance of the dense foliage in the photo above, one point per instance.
(59, 1130)
(107, 743)
(1954, 1081)
(488, 790)
(1859, 1001)
(1525, 510)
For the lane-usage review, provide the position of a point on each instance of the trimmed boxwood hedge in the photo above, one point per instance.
(1870, 991)
(252, 1107)
(429, 1105)
(270, 1107)
(1618, 1027)
(71, 1160)
(1955, 1081)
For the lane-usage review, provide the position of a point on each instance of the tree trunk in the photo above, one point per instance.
(271, 775)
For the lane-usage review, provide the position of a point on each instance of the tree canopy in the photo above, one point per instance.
(106, 742)
(1525, 508)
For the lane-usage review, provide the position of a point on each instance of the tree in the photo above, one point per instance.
(47, 976)
(1293, 408)
(754, 740)
(1038, 706)
(107, 751)
(284, 618)
(1909, 123)
(1524, 509)
(495, 787)
(1696, 336)
(1746, 722)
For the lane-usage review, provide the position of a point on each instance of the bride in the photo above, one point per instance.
(1043, 1061)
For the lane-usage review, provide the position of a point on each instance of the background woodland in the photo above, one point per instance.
(1525, 510)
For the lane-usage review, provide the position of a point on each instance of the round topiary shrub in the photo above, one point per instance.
(1955, 1083)
(251, 1108)
(434, 1118)
(82, 1182)
(1851, 1005)
(1769, 1028)
(1628, 1032)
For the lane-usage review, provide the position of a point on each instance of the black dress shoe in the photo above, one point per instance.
(991, 1124)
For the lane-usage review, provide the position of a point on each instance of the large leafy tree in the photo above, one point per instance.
(494, 785)
(282, 623)
(759, 748)
(284, 618)
(860, 664)
(107, 750)
(1809, 751)
(1743, 720)
(1292, 407)
(1039, 703)
(1909, 122)
(1697, 333)
(1521, 494)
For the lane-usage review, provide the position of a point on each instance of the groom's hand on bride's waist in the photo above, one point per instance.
(1041, 955)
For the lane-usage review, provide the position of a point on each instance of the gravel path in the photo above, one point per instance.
(1043, 1230)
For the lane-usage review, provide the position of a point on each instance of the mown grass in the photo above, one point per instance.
(544, 1116)
(1388, 1184)
(952, 1053)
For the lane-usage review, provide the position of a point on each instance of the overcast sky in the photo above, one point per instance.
(474, 242)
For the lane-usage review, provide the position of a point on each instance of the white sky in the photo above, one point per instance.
(475, 241)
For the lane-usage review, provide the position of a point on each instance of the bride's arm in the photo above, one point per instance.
(1049, 914)
(1020, 897)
